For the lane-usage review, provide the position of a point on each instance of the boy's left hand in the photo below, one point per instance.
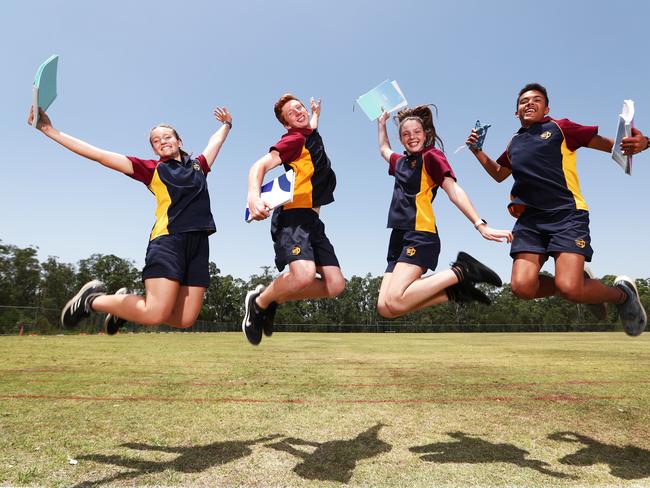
(222, 114)
(635, 143)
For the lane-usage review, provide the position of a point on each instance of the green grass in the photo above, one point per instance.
(564, 409)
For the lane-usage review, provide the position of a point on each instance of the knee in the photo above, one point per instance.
(335, 286)
(523, 290)
(395, 306)
(385, 311)
(569, 291)
(303, 278)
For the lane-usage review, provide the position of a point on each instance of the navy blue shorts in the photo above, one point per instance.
(180, 257)
(413, 247)
(299, 234)
(550, 232)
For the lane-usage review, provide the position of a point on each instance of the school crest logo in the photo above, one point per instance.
(410, 251)
(296, 250)
(546, 135)
(413, 163)
(196, 166)
(581, 243)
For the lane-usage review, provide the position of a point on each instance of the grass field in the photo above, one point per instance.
(326, 409)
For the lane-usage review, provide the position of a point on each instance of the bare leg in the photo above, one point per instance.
(152, 309)
(404, 290)
(187, 307)
(526, 281)
(571, 284)
(301, 282)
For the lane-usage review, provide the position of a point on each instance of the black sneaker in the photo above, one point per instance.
(466, 292)
(112, 323)
(78, 307)
(475, 271)
(253, 317)
(631, 311)
(598, 310)
(269, 317)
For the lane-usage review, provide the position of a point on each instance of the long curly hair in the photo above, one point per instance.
(423, 115)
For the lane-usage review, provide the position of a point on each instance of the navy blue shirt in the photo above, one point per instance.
(542, 158)
(181, 191)
(417, 178)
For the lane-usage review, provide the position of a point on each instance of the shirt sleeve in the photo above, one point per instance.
(576, 135)
(143, 169)
(289, 147)
(436, 164)
(392, 163)
(504, 160)
(204, 164)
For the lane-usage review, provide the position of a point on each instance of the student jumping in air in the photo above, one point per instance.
(414, 242)
(552, 216)
(298, 233)
(176, 266)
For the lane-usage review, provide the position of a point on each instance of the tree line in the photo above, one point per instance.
(32, 294)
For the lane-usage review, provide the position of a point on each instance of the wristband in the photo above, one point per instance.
(479, 222)
(228, 123)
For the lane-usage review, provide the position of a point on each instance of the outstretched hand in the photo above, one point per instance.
(635, 143)
(495, 234)
(381, 120)
(43, 120)
(315, 106)
(222, 115)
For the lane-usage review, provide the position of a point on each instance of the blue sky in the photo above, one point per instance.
(125, 66)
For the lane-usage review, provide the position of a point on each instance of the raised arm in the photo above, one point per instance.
(634, 144)
(494, 169)
(218, 138)
(384, 143)
(315, 113)
(112, 160)
(459, 198)
(256, 205)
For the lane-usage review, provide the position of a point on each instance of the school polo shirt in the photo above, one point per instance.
(417, 178)
(542, 158)
(302, 151)
(181, 191)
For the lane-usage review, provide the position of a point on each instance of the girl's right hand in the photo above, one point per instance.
(257, 208)
(43, 123)
(383, 118)
(495, 234)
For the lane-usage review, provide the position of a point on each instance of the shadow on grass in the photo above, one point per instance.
(190, 460)
(628, 463)
(470, 449)
(333, 460)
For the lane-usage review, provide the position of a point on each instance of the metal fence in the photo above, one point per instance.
(43, 321)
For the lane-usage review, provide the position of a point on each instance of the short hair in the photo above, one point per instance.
(533, 86)
(282, 101)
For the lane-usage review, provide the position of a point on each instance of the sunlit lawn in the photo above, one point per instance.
(566, 409)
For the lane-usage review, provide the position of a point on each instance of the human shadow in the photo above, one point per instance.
(471, 449)
(628, 462)
(333, 460)
(191, 459)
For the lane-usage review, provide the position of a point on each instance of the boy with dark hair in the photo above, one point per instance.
(298, 234)
(552, 216)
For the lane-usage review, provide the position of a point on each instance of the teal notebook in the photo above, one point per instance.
(45, 85)
(385, 97)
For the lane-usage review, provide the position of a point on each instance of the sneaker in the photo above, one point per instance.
(253, 317)
(466, 292)
(269, 317)
(78, 307)
(598, 310)
(475, 271)
(631, 311)
(112, 323)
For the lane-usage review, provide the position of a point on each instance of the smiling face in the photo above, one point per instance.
(531, 107)
(412, 135)
(165, 142)
(295, 115)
